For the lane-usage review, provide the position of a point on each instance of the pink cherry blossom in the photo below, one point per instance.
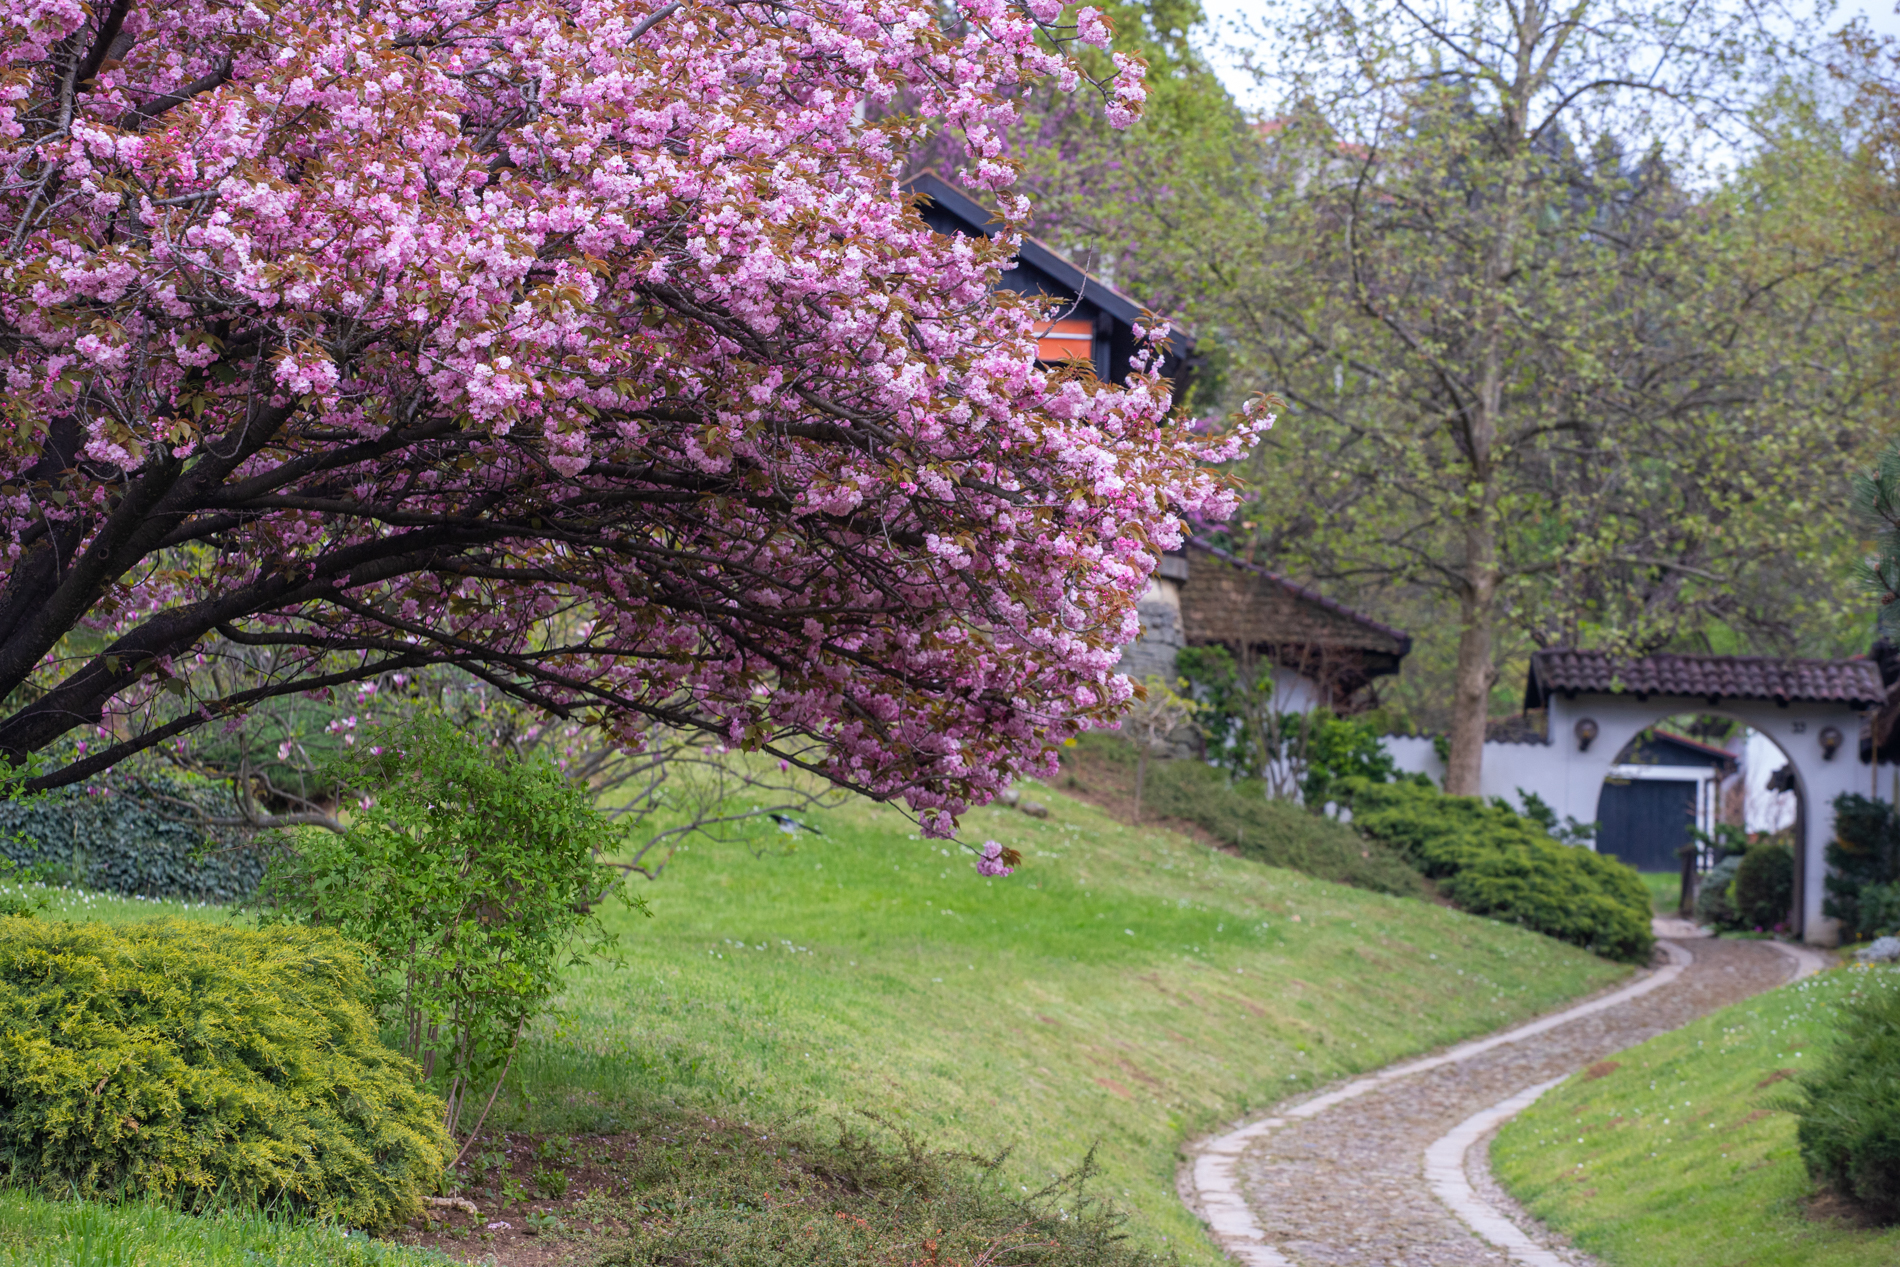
(589, 346)
(990, 861)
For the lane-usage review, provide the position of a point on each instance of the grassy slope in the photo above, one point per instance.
(1101, 769)
(1127, 988)
(1679, 1157)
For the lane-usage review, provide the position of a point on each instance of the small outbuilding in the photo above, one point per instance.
(1326, 655)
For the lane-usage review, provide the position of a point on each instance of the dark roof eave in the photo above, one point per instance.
(981, 220)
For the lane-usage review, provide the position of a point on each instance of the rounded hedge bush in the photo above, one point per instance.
(1763, 894)
(1849, 1112)
(1490, 861)
(183, 1060)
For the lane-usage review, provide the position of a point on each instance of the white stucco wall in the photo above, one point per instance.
(1570, 779)
(1294, 692)
(1507, 766)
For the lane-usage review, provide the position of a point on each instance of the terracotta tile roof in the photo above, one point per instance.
(1709, 677)
(1716, 751)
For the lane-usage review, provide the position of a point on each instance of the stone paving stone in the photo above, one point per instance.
(1347, 1187)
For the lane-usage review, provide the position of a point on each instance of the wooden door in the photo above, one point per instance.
(1644, 822)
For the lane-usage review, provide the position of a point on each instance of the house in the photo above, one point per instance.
(1094, 321)
(1325, 654)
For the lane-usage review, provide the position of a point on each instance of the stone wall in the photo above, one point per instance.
(1161, 633)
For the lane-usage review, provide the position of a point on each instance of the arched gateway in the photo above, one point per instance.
(1593, 705)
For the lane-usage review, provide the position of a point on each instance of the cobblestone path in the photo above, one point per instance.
(1341, 1181)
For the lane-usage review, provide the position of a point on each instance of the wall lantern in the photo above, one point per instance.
(1830, 743)
(1586, 730)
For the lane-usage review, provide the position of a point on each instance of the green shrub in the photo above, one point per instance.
(135, 835)
(1865, 851)
(1490, 861)
(1340, 748)
(1239, 813)
(1310, 751)
(1763, 893)
(471, 877)
(1714, 896)
(1879, 914)
(182, 1060)
(1849, 1106)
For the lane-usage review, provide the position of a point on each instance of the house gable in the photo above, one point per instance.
(1092, 313)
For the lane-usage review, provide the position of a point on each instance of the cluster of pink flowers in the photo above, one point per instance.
(990, 861)
(588, 345)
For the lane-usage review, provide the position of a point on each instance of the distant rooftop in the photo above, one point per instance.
(1099, 318)
(1370, 633)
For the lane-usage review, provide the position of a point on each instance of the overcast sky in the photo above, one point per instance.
(1221, 14)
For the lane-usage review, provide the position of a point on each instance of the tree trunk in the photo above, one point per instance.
(1471, 694)
(1685, 902)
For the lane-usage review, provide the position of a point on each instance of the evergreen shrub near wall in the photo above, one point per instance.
(1764, 886)
(118, 834)
(1863, 864)
(1849, 1107)
(1715, 896)
(1491, 861)
(186, 1061)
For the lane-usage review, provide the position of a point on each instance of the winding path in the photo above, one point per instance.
(1384, 1171)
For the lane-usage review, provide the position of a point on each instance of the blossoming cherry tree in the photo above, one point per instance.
(589, 347)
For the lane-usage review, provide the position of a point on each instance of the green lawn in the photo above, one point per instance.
(109, 908)
(1126, 988)
(1665, 890)
(38, 1233)
(1681, 1155)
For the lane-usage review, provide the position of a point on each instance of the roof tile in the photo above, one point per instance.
(1710, 677)
(1305, 593)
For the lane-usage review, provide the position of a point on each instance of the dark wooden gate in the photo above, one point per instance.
(1645, 821)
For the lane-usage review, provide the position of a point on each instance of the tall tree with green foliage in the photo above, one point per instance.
(1552, 375)
(1535, 373)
